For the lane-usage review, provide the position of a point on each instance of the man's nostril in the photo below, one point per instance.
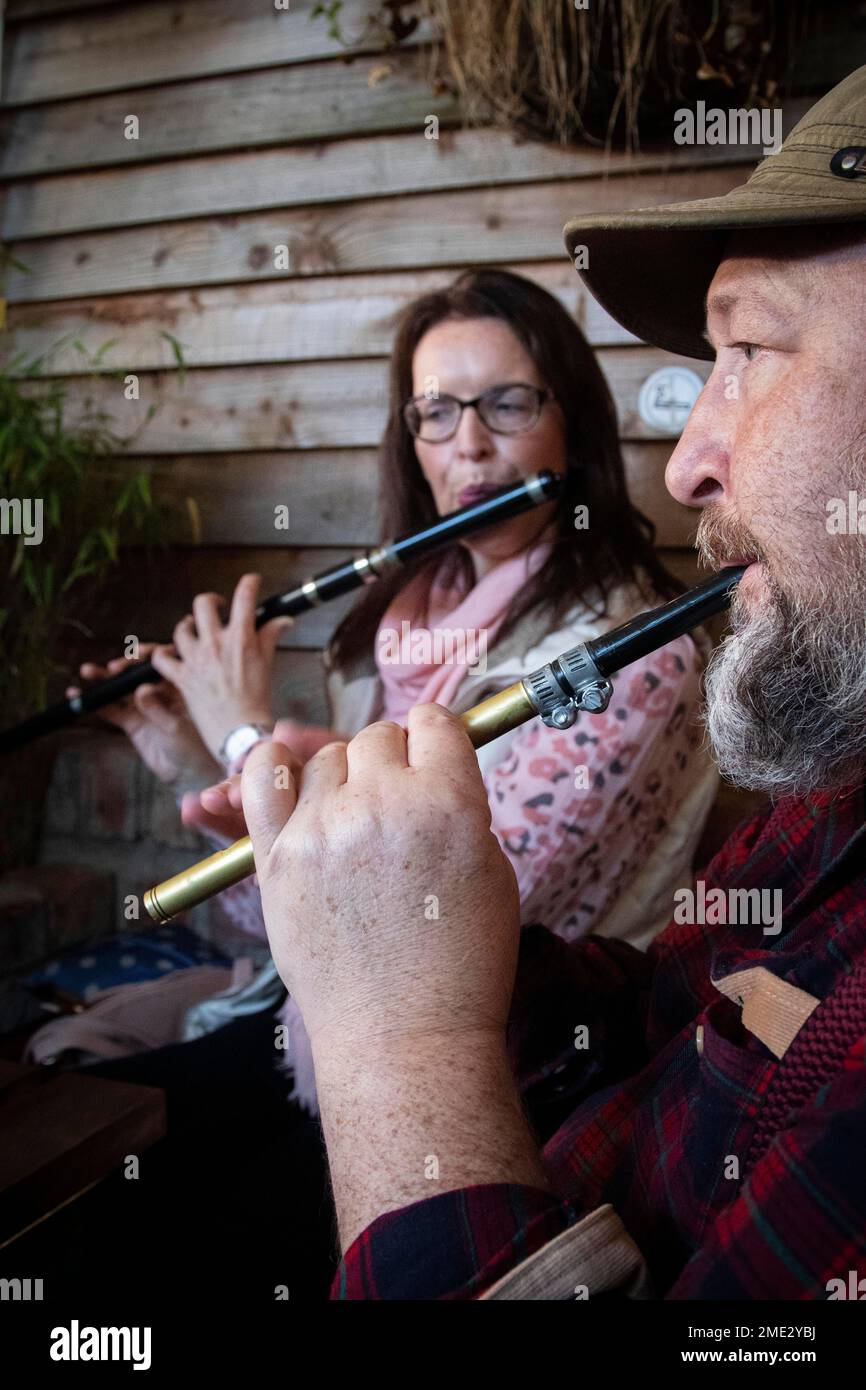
(707, 486)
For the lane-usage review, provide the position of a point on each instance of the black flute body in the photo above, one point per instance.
(330, 584)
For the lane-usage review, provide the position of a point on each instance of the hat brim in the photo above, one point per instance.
(651, 268)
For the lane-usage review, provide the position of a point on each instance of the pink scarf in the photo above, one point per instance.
(425, 651)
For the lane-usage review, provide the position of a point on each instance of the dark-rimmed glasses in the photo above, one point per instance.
(510, 409)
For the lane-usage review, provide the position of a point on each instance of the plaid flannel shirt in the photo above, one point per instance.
(672, 1114)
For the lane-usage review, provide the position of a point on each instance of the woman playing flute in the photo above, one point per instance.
(491, 380)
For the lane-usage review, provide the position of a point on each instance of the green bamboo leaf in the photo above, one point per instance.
(124, 499)
(143, 484)
(9, 259)
(31, 585)
(12, 365)
(176, 347)
(109, 540)
(100, 352)
(17, 558)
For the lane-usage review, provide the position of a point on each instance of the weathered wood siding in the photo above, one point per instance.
(258, 131)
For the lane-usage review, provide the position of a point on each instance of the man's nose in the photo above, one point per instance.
(698, 469)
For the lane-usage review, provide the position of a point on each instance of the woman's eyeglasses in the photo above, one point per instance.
(510, 409)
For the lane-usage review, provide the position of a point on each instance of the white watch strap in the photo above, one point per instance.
(240, 740)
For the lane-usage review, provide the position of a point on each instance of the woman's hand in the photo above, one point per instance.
(223, 672)
(218, 807)
(157, 724)
(303, 740)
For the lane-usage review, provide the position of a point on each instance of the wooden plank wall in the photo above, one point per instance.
(258, 131)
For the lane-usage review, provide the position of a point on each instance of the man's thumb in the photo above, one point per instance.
(268, 792)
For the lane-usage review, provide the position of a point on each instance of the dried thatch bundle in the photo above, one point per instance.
(614, 69)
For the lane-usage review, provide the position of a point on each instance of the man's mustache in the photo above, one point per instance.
(722, 537)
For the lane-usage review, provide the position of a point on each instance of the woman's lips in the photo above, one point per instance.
(477, 494)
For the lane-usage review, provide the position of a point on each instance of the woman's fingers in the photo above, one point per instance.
(167, 665)
(193, 813)
(216, 798)
(244, 600)
(93, 671)
(150, 701)
(184, 634)
(206, 614)
(271, 632)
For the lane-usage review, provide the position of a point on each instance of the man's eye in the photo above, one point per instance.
(749, 350)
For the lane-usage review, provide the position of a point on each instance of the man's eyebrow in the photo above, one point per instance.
(724, 302)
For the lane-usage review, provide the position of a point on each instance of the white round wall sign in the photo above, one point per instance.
(666, 398)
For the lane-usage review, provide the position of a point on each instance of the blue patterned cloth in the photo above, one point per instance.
(125, 959)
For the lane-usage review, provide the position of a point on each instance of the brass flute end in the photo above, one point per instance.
(200, 881)
(154, 911)
(497, 714)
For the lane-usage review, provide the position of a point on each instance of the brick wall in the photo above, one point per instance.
(110, 832)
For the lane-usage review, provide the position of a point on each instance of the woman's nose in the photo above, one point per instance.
(473, 437)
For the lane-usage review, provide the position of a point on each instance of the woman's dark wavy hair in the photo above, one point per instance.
(617, 545)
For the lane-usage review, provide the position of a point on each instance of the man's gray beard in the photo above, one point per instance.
(786, 692)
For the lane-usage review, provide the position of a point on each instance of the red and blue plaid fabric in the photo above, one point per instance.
(739, 1175)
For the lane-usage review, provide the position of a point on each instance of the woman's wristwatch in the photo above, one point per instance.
(238, 743)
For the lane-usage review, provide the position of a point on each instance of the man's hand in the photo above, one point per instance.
(392, 914)
(223, 672)
(392, 911)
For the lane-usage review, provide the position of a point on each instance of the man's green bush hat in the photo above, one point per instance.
(651, 268)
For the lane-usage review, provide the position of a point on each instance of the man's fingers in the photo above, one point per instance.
(439, 740)
(244, 601)
(379, 746)
(268, 792)
(324, 772)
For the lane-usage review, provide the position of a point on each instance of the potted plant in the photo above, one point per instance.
(65, 515)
